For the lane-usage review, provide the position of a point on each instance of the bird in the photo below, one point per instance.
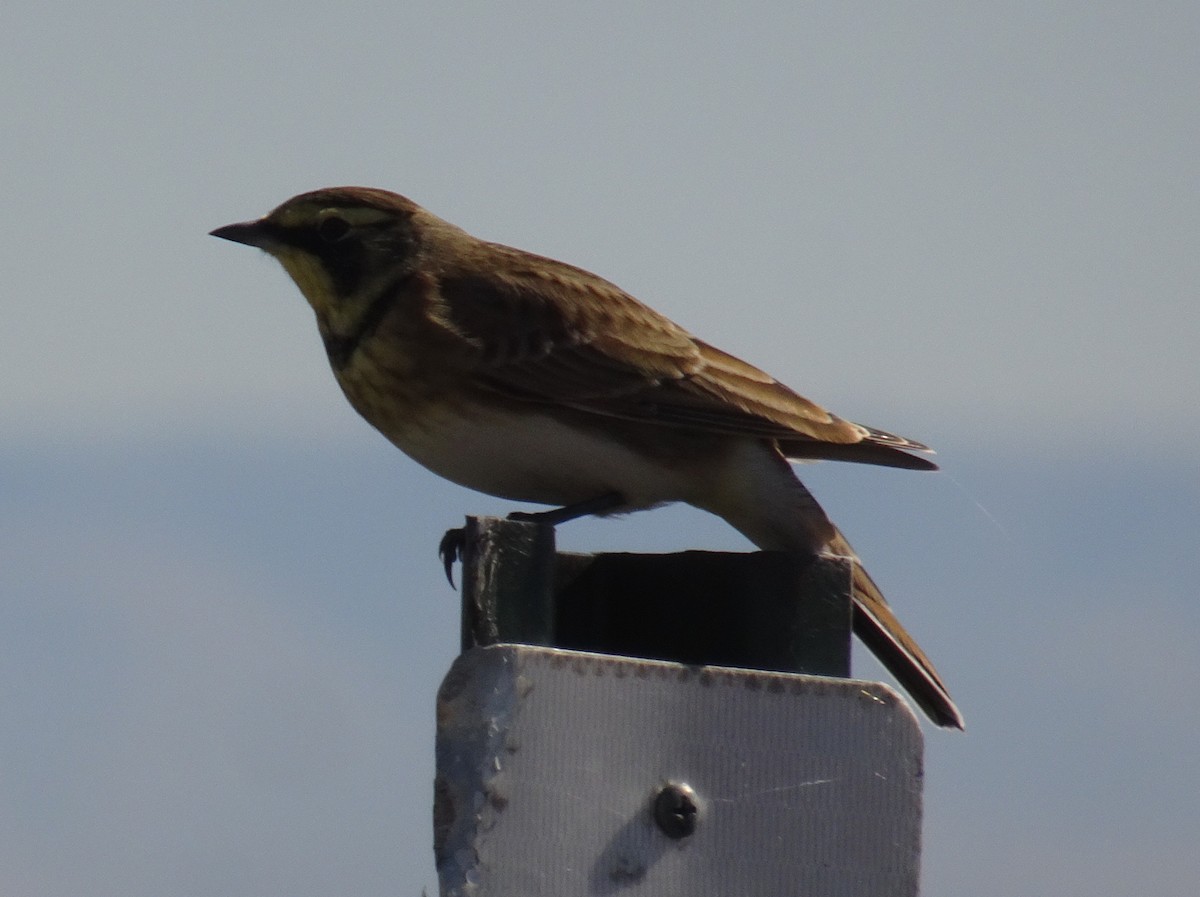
(533, 380)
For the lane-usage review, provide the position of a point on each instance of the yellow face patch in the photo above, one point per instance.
(310, 276)
(336, 313)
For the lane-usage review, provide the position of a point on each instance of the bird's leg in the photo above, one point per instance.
(450, 549)
(609, 501)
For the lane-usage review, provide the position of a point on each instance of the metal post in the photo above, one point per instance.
(568, 763)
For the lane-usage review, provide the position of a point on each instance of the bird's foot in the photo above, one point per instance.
(450, 549)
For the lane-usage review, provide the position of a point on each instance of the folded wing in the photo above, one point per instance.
(547, 332)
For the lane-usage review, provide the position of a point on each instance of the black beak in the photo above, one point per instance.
(252, 233)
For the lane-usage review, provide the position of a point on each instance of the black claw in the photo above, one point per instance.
(450, 549)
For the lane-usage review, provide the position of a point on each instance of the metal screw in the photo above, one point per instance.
(676, 810)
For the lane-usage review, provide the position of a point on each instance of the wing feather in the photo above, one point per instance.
(547, 332)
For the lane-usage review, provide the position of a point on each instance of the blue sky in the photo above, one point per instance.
(223, 623)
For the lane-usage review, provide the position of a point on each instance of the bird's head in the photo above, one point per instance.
(338, 244)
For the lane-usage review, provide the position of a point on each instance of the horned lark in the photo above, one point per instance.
(537, 381)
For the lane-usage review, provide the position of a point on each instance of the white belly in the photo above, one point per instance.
(535, 458)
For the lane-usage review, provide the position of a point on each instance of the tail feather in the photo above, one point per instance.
(761, 496)
(890, 642)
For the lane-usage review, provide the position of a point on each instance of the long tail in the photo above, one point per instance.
(761, 496)
(898, 651)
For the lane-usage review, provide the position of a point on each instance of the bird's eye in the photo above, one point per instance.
(333, 229)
